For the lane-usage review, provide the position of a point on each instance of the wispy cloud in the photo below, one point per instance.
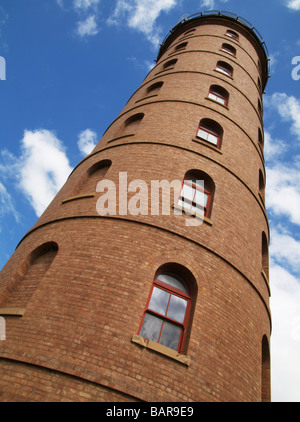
(210, 4)
(293, 4)
(87, 11)
(85, 4)
(87, 141)
(87, 27)
(142, 16)
(283, 191)
(288, 108)
(6, 203)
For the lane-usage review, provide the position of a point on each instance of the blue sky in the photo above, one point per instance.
(71, 65)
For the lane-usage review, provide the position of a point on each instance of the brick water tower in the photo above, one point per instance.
(123, 291)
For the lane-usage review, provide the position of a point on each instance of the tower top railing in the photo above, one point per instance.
(224, 14)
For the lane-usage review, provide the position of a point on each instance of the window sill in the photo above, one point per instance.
(146, 98)
(73, 198)
(206, 144)
(164, 70)
(12, 311)
(216, 102)
(224, 74)
(120, 137)
(159, 348)
(201, 217)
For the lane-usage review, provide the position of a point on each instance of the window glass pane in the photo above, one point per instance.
(159, 301)
(212, 139)
(212, 96)
(170, 335)
(173, 281)
(202, 134)
(220, 100)
(177, 308)
(188, 192)
(197, 182)
(222, 70)
(151, 327)
(201, 198)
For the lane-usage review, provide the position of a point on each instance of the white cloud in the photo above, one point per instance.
(87, 27)
(285, 338)
(283, 191)
(273, 148)
(44, 167)
(85, 4)
(87, 141)
(285, 249)
(289, 109)
(209, 4)
(293, 4)
(141, 15)
(6, 203)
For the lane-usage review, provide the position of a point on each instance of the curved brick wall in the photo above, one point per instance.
(74, 292)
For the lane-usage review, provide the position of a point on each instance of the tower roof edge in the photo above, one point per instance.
(223, 15)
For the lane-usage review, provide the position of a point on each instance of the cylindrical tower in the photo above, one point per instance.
(123, 291)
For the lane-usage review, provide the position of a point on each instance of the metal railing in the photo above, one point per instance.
(232, 16)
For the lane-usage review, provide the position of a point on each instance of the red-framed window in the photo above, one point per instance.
(232, 35)
(196, 195)
(218, 94)
(167, 311)
(229, 49)
(210, 131)
(224, 68)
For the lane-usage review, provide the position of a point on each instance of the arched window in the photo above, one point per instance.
(181, 46)
(210, 131)
(260, 138)
(232, 35)
(261, 185)
(224, 68)
(227, 48)
(265, 255)
(94, 174)
(131, 124)
(170, 64)
(197, 193)
(154, 88)
(189, 32)
(265, 371)
(166, 317)
(259, 106)
(29, 275)
(218, 94)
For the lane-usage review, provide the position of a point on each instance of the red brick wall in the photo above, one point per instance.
(81, 318)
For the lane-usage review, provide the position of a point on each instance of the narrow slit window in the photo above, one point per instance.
(232, 35)
(224, 68)
(170, 64)
(229, 49)
(181, 46)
